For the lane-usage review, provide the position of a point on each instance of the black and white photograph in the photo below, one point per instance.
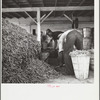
(48, 41)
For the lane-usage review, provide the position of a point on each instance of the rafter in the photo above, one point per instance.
(66, 5)
(43, 16)
(81, 2)
(9, 15)
(43, 3)
(16, 3)
(55, 6)
(68, 17)
(69, 2)
(80, 13)
(78, 5)
(70, 8)
(29, 2)
(31, 17)
(46, 16)
(88, 13)
(16, 14)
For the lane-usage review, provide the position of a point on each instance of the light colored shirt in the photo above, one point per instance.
(62, 39)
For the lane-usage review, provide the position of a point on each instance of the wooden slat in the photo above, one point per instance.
(48, 8)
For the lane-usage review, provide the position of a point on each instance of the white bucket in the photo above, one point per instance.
(81, 66)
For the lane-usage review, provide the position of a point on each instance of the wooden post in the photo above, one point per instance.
(38, 26)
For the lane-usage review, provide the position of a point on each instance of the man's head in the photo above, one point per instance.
(49, 32)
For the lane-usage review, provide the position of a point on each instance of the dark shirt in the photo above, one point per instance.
(55, 34)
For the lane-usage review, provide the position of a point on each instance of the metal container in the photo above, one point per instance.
(86, 32)
(86, 43)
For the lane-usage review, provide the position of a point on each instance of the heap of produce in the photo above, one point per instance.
(79, 53)
(20, 57)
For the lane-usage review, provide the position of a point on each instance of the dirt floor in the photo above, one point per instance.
(65, 79)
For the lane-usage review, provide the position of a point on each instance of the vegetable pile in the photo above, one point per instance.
(20, 57)
(79, 53)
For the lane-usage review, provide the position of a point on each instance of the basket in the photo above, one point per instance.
(81, 66)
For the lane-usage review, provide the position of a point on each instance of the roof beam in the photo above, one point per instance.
(15, 14)
(9, 15)
(68, 18)
(80, 13)
(81, 2)
(67, 5)
(43, 16)
(88, 13)
(69, 8)
(69, 2)
(78, 5)
(46, 16)
(55, 6)
(43, 3)
(17, 4)
(29, 3)
(31, 17)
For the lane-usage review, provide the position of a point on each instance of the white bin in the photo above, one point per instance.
(81, 66)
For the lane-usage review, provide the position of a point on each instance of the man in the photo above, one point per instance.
(53, 36)
(66, 44)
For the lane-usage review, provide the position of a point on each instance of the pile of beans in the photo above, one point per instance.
(79, 53)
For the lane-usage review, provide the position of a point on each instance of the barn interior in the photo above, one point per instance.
(34, 17)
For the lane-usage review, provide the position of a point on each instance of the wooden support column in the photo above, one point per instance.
(38, 26)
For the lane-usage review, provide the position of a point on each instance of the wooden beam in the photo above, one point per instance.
(69, 8)
(43, 16)
(68, 18)
(55, 6)
(29, 3)
(31, 17)
(81, 2)
(43, 3)
(88, 13)
(80, 13)
(38, 26)
(66, 5)
(46, 17)
(16, 3)
(55, 3)
(9, 15)
(78, 5)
